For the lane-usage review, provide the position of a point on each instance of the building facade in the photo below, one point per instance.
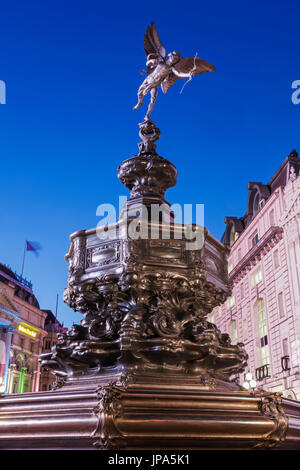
(22, 334)
(263, 311)
(9, 320)
(52, 327)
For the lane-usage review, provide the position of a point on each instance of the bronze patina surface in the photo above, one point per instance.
(145, 301)
(135, 413)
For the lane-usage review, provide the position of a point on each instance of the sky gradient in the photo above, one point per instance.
(72, 71)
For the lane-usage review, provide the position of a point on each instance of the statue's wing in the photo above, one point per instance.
(184, 67)
(152, 43)
(187, 64)
(168, 82)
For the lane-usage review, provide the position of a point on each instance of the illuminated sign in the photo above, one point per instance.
(27, 331)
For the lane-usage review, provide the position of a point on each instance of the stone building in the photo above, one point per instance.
(52, 326)
(22, 333)
(264, 267)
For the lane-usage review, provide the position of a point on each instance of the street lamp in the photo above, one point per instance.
(249, 382)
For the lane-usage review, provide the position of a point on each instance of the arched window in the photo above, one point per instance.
(262, 333)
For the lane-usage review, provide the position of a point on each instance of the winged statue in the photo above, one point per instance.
(163, 70)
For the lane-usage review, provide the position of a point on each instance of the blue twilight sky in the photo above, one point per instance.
(72, 70)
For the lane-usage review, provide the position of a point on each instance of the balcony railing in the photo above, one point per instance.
(262, 372)
(285, 363)
(236, 379)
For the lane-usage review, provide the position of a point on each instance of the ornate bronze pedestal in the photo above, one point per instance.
(145, 369)
(145, 294)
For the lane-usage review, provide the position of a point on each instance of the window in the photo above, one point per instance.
(231, 301)
(230, 267)
(21, 343)
(32, 347)
(262, 344)
(233, 236)
(285, 359)
(48, 345)
(280, 305)
(272, 218)
(233, 331)
(245, 329)
(256, 277)
(276, 259)
(254, 239)
(295, 250)
(239, 254)
(285, 347)
(242, 291)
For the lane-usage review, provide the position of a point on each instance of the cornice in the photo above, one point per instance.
(265, 244)
(10, 305)
(15, 315)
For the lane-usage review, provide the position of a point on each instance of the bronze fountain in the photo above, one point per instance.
(145, 369)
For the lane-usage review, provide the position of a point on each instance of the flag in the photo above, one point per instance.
(33, 246)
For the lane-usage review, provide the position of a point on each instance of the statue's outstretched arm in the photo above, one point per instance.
(182, 74)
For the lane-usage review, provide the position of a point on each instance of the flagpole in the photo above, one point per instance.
(23, 261)
(56, 308)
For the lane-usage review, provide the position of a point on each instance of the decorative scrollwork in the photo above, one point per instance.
(102, 328)
(107, 411)
(58, 384)
(271, 406)
(146, 319)
(166, 325)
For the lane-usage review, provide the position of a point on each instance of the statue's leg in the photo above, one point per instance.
(153, 94)
(141, 94)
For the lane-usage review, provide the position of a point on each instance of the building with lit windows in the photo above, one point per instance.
(263, 311)
(9, 320)
(53, 327)
(22, 334)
